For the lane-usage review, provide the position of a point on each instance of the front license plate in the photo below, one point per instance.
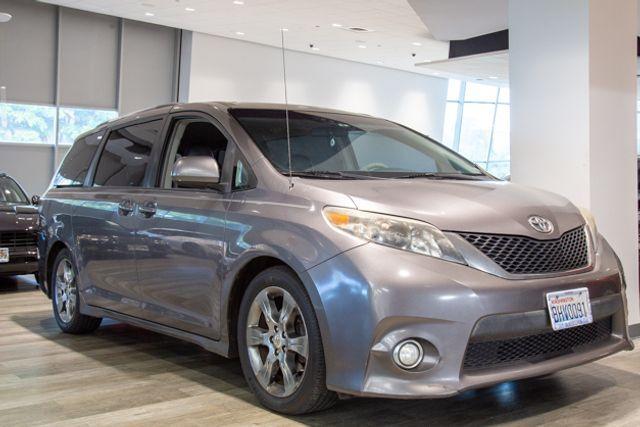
(4, 254)
(570, 308)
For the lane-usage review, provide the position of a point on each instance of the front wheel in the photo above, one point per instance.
(66, 299)
(280, 345)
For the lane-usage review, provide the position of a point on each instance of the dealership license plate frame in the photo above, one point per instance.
(4, 255)
(569, 308)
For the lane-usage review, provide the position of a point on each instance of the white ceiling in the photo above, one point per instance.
(462, 19)
(396, 27)
(489, 68)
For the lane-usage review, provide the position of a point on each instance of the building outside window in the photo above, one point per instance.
(477, 124)
(31, 123)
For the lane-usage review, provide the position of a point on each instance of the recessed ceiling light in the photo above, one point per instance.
(315, 48)
(189, 9)
(238, 2)
(239, 33)
(416, 44)
(284, 29)
(336, 25)
(149, 14)
(362, 46)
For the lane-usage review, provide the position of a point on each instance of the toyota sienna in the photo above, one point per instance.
(335, 254)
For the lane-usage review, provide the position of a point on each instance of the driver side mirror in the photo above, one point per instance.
(196, 172)
(35, 200)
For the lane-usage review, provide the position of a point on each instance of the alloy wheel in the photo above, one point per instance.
(277, 341)
(66, 291)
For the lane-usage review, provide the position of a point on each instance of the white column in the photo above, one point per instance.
(573, 112)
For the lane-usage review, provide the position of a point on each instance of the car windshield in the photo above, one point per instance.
(344, 146)
(10, 192)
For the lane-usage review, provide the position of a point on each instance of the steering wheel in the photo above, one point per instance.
(374, 167)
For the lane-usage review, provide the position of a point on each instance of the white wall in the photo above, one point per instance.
(224, 69)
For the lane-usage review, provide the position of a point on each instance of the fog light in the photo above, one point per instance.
(408, 354)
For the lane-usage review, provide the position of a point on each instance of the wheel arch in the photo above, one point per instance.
(238, 283)
(53, 252)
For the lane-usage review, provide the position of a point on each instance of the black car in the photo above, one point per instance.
(18, 230)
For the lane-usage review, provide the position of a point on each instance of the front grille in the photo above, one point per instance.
(534, 348)
(18, 239)
(524, 255)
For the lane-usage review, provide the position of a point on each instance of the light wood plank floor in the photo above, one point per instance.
(127, 376)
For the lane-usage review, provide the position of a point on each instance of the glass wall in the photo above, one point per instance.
(29, 123)
(477, 124)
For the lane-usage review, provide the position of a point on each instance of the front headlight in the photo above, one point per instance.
(396, 232)
(591, 225)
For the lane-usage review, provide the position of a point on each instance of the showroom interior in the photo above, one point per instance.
(537, 93)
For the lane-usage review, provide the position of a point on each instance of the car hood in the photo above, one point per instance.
(453, 205)
(18, 218)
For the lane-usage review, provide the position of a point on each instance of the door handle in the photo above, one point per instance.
(148, 209)
(125, 207)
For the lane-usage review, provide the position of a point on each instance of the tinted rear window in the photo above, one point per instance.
(125, 157)
(76, 164)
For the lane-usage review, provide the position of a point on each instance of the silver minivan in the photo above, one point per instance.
(335, 254)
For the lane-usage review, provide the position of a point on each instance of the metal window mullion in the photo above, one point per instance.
(456, 135)
(493, 127)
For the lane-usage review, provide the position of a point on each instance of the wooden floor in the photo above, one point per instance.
(127, 376)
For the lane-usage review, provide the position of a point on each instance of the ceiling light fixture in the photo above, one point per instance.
(315, 48)
(239, 33)
(5, 17)
(284, 29)
(493, 77)
(189, 9)
(336, 25)
(362, 46)
(149, 14)
(416, 44)
(238, 2)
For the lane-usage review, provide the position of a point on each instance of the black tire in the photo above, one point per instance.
(312, 394)
(78, 322)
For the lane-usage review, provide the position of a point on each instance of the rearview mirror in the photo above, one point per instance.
(35, 200)
(196, 171)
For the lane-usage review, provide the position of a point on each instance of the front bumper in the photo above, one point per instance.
(372, 297)
(22, 260)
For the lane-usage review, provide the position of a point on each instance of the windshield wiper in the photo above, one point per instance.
(330, 175)
(440, 175)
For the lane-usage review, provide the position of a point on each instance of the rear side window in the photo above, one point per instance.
(76, 164)
(125, 157)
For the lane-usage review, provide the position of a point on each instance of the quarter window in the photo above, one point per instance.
(74, 168)
(125, 158)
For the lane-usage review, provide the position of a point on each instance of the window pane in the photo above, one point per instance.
(453, 93)
(480, 93)
(76, 163)
(499, 169)
(475, 132)
(500, 146)
(27, 123)
(124, 160)
(504, 96)
(10, 192)
(74, 121)
(450, 121)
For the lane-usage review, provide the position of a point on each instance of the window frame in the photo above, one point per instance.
(161, 161)
(90, 181)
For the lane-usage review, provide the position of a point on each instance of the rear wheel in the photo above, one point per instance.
(280, 346)
(66, 300)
